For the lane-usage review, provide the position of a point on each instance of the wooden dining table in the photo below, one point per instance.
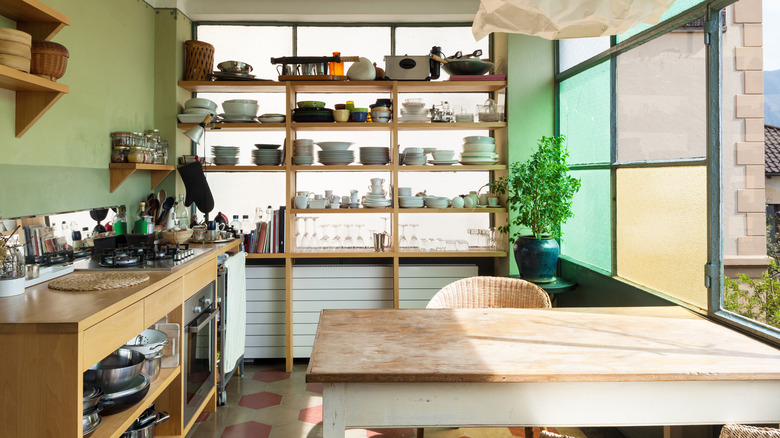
(562, 367)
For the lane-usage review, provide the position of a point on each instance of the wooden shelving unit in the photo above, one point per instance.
(34, 94)
(393, 169)
(121, 171)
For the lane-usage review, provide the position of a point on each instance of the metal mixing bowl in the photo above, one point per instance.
(467, 66)
(116, 371)
(234, 67)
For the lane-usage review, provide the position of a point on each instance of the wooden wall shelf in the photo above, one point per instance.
(121, 171)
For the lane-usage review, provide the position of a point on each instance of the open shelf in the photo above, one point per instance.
(34, 17)
(233, 86)
(121, 171)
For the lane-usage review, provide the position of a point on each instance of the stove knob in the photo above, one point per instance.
(206, 301)
(197, 309)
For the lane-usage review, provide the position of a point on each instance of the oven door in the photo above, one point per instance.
(199, 360)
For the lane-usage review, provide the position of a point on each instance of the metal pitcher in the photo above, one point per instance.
(381, 241)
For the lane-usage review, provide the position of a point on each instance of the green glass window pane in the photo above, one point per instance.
(587, 237)
(676, 8)
(662, 230)
(585, 115)
(661, 104)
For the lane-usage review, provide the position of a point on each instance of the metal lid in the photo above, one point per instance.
(138, 384)
(91, 391)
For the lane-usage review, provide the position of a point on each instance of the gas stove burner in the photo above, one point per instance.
(145, 255)
(121, 258)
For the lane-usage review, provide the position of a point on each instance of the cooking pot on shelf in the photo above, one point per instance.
(116, 370)
(144, 426)
(126, 397)
(92, 394)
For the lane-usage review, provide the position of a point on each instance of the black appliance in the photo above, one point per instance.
(198, 349)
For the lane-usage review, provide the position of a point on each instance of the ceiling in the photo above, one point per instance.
(337, 11)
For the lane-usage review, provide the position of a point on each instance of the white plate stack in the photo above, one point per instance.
(303, 152)
(225, 155)
(267, 155)
(374, 155)
(376, 199)
(414, 157)
(335, 153)
(479, 149)
(414, 111)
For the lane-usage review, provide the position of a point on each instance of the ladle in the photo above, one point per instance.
(166, 206)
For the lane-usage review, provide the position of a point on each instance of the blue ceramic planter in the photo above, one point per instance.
(536, 258)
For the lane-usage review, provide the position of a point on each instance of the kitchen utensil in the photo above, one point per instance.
(127, 396)
(91, 420)
(92, 394)
(234, 66)
(116, 370)
(467, 66)
(147, 430)
(288, 69)
(314, 68)
(151, 366)
(148, 342)
(459, 55)
(197, 188)
(166, 207)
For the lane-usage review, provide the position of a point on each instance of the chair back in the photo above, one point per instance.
(490, 292)
(741, 431)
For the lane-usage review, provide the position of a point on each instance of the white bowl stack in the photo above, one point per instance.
(267, 155)
(225, 155)
(335, 153)
(303, 152)
(414, 156)
(479, 149)
(239, 110)
(411, 201)
(196, 109)
(414, 111)
(378, 155)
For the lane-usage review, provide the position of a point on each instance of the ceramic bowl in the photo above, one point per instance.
(199, 102)
(341, 115)
(358, 116)
(200, 111)
(479, 139)
(249, 109)
(311, 104)
(380, 116)
(443, 154)
(436, 202)
(479, 147)
(334, 145)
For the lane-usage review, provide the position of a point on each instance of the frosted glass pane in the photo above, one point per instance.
(349, 41)
(661, 99)
(240, 43)
(587, 237)
(573, 51)
(662, 230)
(420, 40)
(585, 115)
(676, 8)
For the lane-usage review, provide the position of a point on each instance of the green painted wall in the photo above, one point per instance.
(530, 97)
(61, 163)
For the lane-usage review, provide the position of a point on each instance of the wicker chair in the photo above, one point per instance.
(740, 431)
(490, 292)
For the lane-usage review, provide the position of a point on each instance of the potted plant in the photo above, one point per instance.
(11, 267)
(539, 195)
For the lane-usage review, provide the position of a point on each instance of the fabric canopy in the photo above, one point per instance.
(559, 19)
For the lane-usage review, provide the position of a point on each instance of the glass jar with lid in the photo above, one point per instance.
(119, 154)
(122, 139)
(136, 154)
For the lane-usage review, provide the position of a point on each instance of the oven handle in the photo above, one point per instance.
(203, 324)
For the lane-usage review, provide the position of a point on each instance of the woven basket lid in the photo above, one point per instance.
(49, 48)
(198, 43)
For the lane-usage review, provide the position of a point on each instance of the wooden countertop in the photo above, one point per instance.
(534, 345)
(70, 312)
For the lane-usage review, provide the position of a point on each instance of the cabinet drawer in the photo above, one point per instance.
(199, 277)
(162, 302)
(111, 333)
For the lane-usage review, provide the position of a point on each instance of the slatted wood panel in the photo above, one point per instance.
(418, 283)
(335, 287)
(265, 317)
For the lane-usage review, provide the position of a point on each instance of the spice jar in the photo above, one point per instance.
(122, 139)
(119, 154)
(136, 155)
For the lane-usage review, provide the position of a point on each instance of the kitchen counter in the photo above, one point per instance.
(50, 337)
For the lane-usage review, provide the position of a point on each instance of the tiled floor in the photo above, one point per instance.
(270, 403)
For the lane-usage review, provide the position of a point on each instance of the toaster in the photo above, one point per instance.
(408, 68)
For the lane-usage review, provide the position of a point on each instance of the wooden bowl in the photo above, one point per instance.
(178, 236)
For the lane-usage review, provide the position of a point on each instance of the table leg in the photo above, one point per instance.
(333, 410)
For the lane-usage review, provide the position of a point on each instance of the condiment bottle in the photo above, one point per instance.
(120, 221)
(182, 215)
(141, 226)
(336, 68)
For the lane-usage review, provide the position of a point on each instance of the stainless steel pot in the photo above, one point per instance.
(126, 398)
(314, 68)
(92, 394)
(152, 366)
(116, 371)
(146, 429)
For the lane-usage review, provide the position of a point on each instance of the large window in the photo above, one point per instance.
(661, 200)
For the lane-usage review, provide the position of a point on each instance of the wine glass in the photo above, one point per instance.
(306, 239)
(315, 238)
(348, 241)
(325, 239)
(360, 242)
(414, 242)
(403, 242)
(336, 242)
(299, 226)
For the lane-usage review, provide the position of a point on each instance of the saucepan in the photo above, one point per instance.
(144, 426)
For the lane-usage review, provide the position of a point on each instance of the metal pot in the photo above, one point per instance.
(314, 68)
(467, 66)
(146, 429)
(126, 398)
(92, 394)
(152, 366)
(90, 421)
(149, 342)
(116, 371)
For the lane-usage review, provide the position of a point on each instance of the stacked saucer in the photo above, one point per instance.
(479, 149)
(414, 111)
(414, 157)
(376, 200)
(374, 155)
(225, 155)
(303, 152)
(335, 153)
(267, 155)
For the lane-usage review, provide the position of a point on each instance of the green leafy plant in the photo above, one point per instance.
(540, 191)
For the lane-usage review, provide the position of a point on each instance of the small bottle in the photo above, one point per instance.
(182, 215)
(76, 237)
(269, 214)
(120, 221)
(246, 226)
(258, 215)
(66, 233)
(336, 68)
(141, 226)
(235, 223)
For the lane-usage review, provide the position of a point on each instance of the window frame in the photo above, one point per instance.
(713, 271)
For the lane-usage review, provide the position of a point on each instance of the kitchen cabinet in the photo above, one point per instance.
(395, 90)
(34, 94)
(51, 337)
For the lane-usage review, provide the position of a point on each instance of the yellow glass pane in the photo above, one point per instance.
(662, 230)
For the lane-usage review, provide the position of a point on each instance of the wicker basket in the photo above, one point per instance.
(179, 236)
(49, 59)
(198, 60)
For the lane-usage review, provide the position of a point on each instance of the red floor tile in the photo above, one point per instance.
(311, 415)
(249, 429)
(260, 400)
(314, 387)
(202, 417)
(391, 433)
(270, 375)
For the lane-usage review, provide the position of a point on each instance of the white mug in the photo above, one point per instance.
(377, 181)
(301, 202)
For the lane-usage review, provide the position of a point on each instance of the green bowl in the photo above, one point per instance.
(311, 104)
(359, 110)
